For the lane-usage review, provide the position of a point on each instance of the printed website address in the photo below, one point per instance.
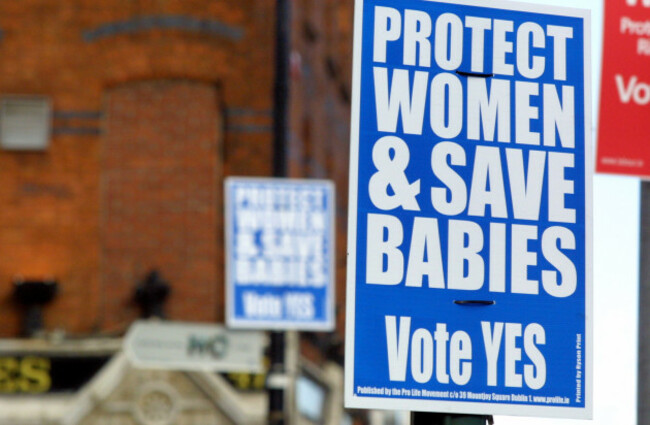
(625, 162)
(461, 395)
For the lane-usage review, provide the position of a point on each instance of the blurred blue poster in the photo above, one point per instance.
(469, 244)
(279, 253)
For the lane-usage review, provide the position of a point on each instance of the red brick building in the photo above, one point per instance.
(119, 121)
(152, 103)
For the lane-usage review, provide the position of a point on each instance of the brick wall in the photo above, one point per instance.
(320, 109)
(162, 173)
(154, 102)
(210, 58)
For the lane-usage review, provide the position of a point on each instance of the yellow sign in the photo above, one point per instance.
(29, 375)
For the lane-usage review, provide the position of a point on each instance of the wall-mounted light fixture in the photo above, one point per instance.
(151, 294)
(33, 294)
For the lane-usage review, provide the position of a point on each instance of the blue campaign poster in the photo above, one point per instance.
(279, 253)
(469, 245)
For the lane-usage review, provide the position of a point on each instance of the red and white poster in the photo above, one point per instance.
(624, 129)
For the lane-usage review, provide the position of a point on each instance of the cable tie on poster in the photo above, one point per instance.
(475, 302)
(474, 74)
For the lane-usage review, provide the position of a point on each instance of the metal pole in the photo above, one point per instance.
(643, 383)
(277, 380)
(427, 418)
(281, 88)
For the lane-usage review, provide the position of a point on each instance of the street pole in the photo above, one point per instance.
(428, 418)
(277, 378)
(281, 87)
(643, 383)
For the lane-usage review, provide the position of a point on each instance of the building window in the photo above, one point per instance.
(25, 123)
(310, 399)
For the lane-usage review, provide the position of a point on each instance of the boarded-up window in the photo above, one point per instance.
(161, 190)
